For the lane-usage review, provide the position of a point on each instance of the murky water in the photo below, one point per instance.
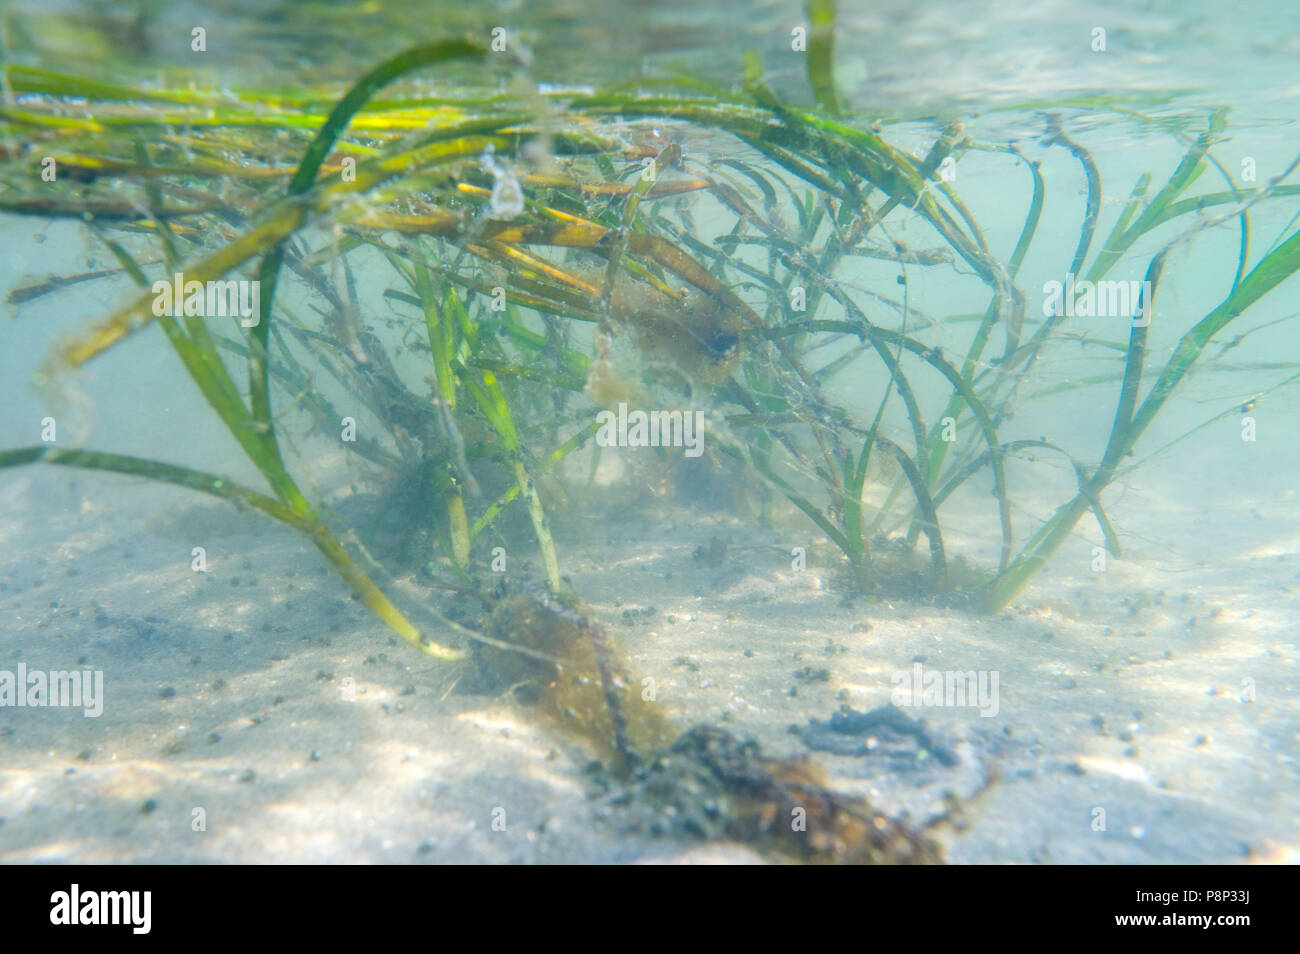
(1131, 701)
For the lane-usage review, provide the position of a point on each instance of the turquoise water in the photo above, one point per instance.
(1159, 688)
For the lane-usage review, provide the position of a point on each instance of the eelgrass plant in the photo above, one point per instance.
(506, 227)
(509, 223)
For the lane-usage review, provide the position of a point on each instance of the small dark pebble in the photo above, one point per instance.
(810, 674)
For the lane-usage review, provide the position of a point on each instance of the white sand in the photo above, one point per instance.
(1110, 696)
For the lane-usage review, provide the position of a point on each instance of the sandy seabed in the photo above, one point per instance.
(1162, 692)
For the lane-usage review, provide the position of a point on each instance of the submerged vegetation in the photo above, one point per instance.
(548, 254)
